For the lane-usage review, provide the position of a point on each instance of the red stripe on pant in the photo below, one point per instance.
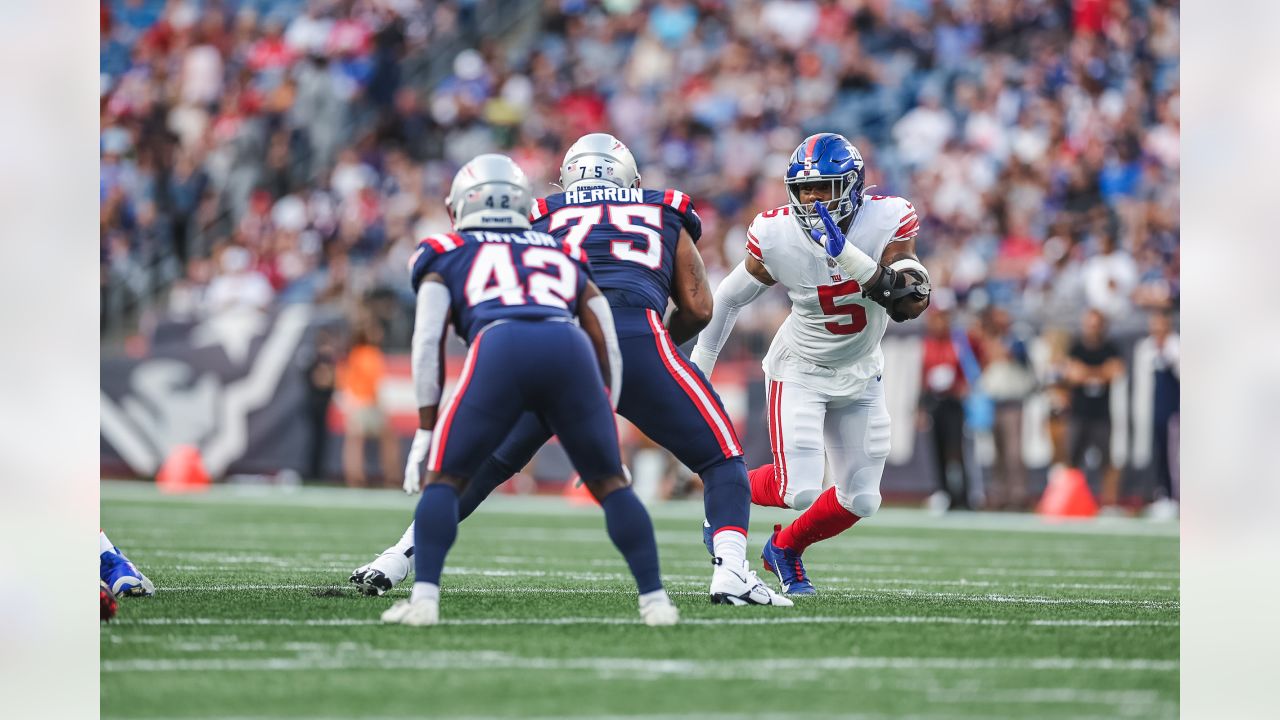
(670, 358)
(436, 457)
(775, 438)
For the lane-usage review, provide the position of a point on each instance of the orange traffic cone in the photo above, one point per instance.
(1067, 495)
(183, 471)
(577, 493)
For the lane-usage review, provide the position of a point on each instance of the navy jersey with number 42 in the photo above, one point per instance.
(496, 275)
(629, 235)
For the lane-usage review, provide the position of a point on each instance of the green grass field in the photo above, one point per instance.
(974, 616)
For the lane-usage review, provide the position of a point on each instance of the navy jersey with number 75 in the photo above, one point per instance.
(503, 274)
(629, 235)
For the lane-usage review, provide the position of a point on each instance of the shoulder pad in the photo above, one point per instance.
(900, 216)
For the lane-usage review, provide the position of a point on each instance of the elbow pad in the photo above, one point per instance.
(430, 319)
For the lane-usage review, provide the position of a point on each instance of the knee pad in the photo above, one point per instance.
(863, 505)
(804, 498)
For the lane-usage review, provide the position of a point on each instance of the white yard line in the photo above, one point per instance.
(341, 571)
(869, 594)
(778, 619)
(634, 668)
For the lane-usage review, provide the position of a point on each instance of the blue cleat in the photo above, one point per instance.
(788, 566)
(123, 577)
(706, 538)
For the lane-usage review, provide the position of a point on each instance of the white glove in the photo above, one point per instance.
(417, 453)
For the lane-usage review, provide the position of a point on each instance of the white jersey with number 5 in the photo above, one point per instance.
(832, 336)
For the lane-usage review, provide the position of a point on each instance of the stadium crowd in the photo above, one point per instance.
(258, 152)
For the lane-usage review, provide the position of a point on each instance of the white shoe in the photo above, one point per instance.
(406, 612)
(741, 586)
(1162, 510)
(658, 612)
(938, 503)
(385, 572)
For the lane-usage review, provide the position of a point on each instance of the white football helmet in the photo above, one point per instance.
(490, 191)
(599, 158)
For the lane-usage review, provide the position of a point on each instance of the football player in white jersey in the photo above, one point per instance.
(848, 263)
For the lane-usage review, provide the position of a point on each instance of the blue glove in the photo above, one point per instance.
(834, 238)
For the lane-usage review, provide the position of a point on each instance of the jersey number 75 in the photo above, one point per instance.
(622, 218)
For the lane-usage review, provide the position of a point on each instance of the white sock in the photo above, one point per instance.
(731, 546)
(406, 541)
(425, 591)
(104, 544)
(655, 596)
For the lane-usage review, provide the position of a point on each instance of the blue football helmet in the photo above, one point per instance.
(826, 157)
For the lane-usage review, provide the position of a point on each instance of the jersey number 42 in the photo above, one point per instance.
(493, 275)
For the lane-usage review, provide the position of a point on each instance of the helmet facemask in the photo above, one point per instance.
(842, 205)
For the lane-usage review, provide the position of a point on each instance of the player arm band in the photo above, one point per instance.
(599, 307)
(429, 323)
(910, 264)
(736, 291)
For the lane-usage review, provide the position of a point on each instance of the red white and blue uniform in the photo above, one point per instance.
(514, 296)
(630, 238)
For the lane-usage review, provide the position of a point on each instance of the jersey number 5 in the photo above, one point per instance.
(494, 275)
(856, 314)
(621, 217)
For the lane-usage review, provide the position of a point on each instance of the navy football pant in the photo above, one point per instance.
(547, 369)
(669, 400)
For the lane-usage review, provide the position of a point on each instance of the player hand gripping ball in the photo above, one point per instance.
(417, 454)
(888, 288)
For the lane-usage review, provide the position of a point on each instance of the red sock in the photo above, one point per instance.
(825, 518)
(764, 487)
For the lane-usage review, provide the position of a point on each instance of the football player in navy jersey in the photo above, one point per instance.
(513, 293)
(641, 247)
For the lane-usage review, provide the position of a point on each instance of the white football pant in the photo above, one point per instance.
(807, 427)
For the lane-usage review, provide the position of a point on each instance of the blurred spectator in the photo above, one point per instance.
(321, 376)
(238, 286)
(1053, 126)
(1053, 378)
(1094, 363)
(1109, 280)
(942, 395)
(1162, 343)
(360, 377)
(1007, 380)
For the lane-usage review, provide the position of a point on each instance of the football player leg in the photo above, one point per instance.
(796, 417)
(118, 574)
(669, 400)
(857, 436)
(577, 410)
(470, 427)
(392, 565)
